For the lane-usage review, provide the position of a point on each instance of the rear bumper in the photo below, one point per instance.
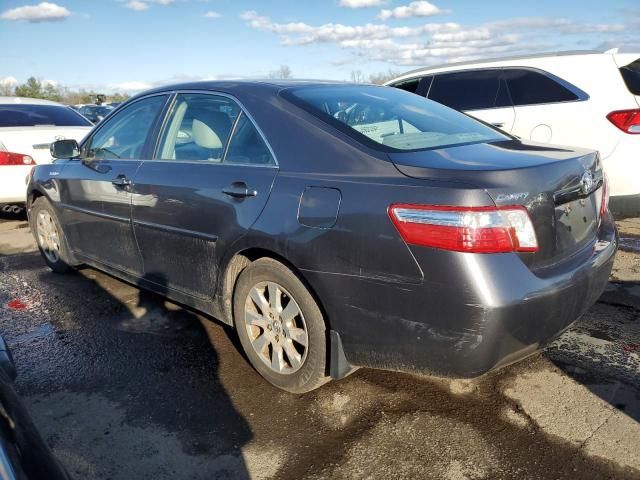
(13, 184)
(625, 206)
(471, 314)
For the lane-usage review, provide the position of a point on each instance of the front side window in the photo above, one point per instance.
(124, 135)
(528, 87)
(390, 119)
(24, 115)
(471, 90)
(198, 128)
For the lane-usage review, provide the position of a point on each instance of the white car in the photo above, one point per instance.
(27, 127)
(581, 99)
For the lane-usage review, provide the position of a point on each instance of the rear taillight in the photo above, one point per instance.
(9, 158)
(466, 229)
(626, 120)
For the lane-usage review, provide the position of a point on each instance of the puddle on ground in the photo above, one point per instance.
(39, 333)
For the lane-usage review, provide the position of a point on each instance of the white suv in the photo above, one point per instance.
(583, 99)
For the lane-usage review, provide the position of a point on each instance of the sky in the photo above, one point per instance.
(131, 45)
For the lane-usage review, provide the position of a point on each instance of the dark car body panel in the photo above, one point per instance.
(323, 211)
(23, 453)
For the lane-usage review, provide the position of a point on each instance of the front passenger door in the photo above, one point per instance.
(96, 190)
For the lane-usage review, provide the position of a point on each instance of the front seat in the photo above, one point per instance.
(209, 132)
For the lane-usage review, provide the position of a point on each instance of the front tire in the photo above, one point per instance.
(280, 327)
(49, 235)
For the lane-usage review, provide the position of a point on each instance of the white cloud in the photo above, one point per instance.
(414, 9)
(361, 3)
(562, 25)
(8, 81)
(212, 14)
(140, 5)
(132, 86)
(300, 33)
(43, 12)
(431, 43)
(136, 5)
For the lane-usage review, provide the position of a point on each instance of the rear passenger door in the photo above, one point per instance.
(209, 180)
(480, 93)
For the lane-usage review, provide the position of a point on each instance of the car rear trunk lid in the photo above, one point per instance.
(560, 188)
(35, 141)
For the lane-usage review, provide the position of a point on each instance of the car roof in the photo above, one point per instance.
(27, 101)
(239, 86)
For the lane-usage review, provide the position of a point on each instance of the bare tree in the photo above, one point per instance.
(357, 76)
(284, 72)
(7, 89)
(382, 77)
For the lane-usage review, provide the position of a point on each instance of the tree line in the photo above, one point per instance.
(35, 88)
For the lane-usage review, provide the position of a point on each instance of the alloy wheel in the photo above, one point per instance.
(48, 237)
(276, 327)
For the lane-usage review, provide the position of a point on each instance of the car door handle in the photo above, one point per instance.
(239, 190)
(121, 181)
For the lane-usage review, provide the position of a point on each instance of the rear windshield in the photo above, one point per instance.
(390, 119)
(631, 75)
(40, 115)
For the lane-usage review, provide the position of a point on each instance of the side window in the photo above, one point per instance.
(198, 128)
(528, 87)
(471, 90)
(408, 85)
(247, 146)
(124, 135)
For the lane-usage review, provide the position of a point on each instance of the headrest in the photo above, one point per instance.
(210, 129)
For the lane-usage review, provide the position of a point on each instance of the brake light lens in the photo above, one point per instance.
(626, 120)
(466, 229)
(9, 158)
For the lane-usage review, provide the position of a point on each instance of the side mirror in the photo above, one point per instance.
(64, 149)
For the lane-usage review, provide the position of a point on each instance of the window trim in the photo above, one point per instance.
(148, 140)
(243, 110)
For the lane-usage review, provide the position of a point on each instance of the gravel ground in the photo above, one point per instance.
(125, 385)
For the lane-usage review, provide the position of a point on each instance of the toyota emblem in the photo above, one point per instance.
(586, 183)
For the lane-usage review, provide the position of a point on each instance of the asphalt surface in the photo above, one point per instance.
(125, 385)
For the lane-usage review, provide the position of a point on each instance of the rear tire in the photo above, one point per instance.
(280, 327)
(49, 236)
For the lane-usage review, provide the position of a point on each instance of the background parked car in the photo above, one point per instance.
(95, 113)
(583, 99)
(27, 128)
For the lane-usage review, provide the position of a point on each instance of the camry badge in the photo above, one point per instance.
(586, 183)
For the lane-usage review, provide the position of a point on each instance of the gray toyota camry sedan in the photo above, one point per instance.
(335, 226)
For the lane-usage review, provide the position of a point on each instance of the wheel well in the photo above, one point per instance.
(33, 194)
(243, 259)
